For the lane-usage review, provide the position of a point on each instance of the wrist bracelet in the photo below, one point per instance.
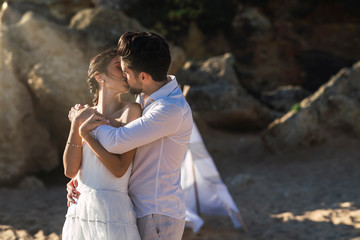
(74, 145)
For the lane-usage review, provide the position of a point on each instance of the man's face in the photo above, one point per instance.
(132, 79)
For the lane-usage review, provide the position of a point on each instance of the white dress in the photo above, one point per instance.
(104, 209)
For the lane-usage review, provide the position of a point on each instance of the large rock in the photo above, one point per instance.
(102, 28)
(199, 47)
(265, 52)
(322, 56)
(218, 97)
(47, 58)
(53, 10)
(122, 5)
(25, 144)
(284, 98)
(334, 109)
(294, 43)
(252, 22)
(178, 59)
(45, 68)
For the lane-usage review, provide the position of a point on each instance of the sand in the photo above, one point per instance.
(305, 194)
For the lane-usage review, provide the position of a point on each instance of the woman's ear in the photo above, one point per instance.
(98, 77)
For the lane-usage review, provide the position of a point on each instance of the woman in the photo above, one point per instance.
(104, 209)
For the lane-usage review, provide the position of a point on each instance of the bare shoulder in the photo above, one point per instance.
(134, 108)
(132, 111)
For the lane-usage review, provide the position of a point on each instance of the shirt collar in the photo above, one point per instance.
(165, 90)
(162, 92)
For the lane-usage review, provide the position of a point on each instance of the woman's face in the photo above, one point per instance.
(114, 78)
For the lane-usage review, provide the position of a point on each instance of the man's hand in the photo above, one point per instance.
(72, 192)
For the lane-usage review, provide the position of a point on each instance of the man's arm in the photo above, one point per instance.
(159, 122)
(117, 164)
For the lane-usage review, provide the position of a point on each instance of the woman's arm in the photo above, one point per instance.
(73, 150)
(116, 164)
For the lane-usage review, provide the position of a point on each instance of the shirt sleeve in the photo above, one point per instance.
(161, 121)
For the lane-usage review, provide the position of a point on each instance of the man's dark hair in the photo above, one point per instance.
(145, 52)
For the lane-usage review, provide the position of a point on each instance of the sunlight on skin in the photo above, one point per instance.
(346, 215)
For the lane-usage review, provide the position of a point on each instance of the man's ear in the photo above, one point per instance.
(143, 76)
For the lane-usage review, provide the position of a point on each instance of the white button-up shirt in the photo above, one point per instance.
(161, 137)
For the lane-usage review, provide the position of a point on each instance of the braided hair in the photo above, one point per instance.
(99, 64)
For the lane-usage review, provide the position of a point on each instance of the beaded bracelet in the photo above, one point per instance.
(74, 145)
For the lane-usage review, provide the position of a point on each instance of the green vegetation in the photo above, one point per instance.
(171, 18)
(296, 107)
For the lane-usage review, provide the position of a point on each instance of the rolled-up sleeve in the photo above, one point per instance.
(160, 121)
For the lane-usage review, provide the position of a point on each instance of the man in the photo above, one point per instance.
(161, 137)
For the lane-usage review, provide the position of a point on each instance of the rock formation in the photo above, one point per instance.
(43, 73)
(331, 111)
(54, 68)
(218, 97)
(25, 144)
(103, 26)
(284, 98)
(294, 43)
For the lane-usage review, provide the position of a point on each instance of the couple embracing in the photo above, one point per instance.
(125, 158)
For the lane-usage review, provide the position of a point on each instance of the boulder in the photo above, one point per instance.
(43, 73)
(118, 5)
(322, 56)
(178, 59)
(217, 96)
(284, 98)
(56, 11)
(331, 111)
(296, 43)
(198, 46)
(25, 144)
(265, 51)
(102, 28)
(252, 22)
(47, 59)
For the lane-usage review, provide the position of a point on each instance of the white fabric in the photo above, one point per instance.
(160, 227)
(193, 220)
(104, 209)
(204, 191)
(161, 137)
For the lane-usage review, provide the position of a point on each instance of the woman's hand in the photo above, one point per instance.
(75, 111)
(82, 115)
(91, 123)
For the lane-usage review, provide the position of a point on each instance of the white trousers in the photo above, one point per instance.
(160, 227)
